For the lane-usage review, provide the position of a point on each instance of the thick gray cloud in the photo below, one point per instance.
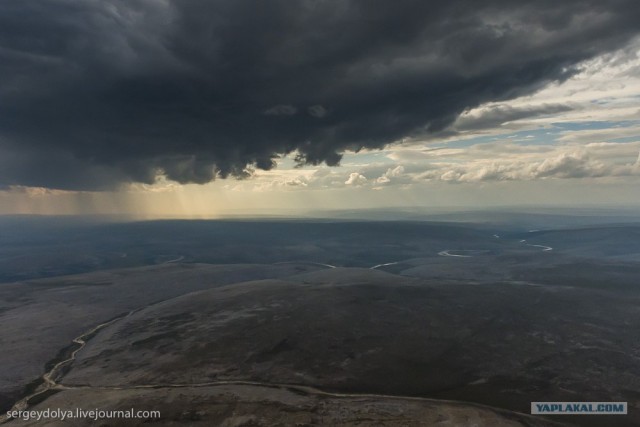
(98, 92)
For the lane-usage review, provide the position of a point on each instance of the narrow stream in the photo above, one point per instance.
(49, 378)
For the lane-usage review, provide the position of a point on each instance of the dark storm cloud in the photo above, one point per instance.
(98, 92)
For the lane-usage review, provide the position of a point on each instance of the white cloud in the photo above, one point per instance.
(299, 181)
(578, 164)
(356, 179)
(496, 115)
(575, 165)
(390, 174)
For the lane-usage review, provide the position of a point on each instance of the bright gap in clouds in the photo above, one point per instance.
(572, 143)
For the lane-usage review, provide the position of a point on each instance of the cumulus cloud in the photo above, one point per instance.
(562, 166)
(356, 179)
(299, 181)
(117, 91)
(390, 174)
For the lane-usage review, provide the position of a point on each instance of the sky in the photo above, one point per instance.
(166, 108)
